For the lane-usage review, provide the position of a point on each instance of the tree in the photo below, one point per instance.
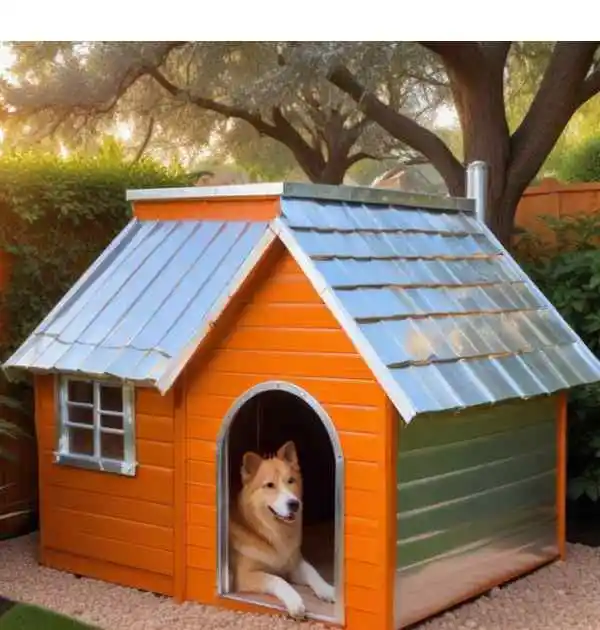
(204, 94)
(477, 73)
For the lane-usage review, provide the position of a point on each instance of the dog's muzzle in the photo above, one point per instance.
(292, 508)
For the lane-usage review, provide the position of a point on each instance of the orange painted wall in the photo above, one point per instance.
(225, 209)
(283, 331)
(106, 526)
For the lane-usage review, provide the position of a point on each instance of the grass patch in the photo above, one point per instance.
(26, 617)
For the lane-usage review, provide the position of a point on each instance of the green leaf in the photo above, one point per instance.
(592, 490)
(595, 441)
(576, 488)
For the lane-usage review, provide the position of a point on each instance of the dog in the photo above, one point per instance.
(265, 532)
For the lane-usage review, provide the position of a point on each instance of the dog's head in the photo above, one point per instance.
(273, 486)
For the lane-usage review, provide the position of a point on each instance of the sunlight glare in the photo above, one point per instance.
(7, 58)
(446, 117)
(124, 131)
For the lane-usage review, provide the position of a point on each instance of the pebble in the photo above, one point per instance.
(561, 596)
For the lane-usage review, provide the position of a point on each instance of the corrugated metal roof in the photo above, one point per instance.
(147, 301)
(435, 305)
(443, 315)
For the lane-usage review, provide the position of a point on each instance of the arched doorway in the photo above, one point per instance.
(261, 420)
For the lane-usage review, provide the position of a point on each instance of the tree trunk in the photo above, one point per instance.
(502, 216)
(477, 84)
(333, 174)
(476, 74)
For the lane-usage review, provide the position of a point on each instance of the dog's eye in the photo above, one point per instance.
(291, 480)
(269, 484)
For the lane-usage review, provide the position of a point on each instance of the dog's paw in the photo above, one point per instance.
(295, 606)
(326, 592)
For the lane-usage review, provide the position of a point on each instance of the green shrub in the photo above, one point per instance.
(568, 272)
(581, 164)
(56, 216)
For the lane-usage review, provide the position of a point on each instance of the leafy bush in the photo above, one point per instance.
(568, 272)
(56, 216)
(581, 164)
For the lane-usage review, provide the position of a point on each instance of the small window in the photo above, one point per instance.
(96, 426)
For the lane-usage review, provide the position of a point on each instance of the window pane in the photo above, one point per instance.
(80, 391)
(111, 422)
(112, 446)
(81, 441)
(111, 398)
(81, 415)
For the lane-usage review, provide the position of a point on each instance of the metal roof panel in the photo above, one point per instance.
(134, 312)
(438, 300)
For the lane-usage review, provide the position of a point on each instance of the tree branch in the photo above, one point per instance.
(49, 131)
(361, 155)
(135, 72)
(145, 142)
(125, 81)
(428, 80)
(454, 54)
(229, 111)
(309, 158)
(402, 128)
(364, 155)
(558, 97)
(497, 52)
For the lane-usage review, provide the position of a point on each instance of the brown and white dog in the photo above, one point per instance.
(266, 532)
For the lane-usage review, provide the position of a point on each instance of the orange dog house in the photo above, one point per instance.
(417, 368)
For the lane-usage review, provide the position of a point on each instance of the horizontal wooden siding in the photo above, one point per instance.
(103, 525)
(284, 332)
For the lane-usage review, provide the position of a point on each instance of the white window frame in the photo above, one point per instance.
(126, 466)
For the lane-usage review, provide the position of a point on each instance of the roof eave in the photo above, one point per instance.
(12, 370)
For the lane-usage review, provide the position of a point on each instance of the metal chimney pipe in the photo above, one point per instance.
(477, 187)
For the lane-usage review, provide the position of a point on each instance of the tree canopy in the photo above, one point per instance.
(225, 97)
(321, 106)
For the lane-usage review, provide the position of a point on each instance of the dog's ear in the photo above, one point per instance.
(250, 464)
(288, 453)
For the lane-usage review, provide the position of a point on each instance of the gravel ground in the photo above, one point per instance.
(562, 596)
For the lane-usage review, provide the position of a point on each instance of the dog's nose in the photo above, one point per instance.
(293, 505)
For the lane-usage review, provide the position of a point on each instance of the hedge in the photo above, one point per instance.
(56, 216)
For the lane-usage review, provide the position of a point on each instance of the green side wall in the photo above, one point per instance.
(479, 478)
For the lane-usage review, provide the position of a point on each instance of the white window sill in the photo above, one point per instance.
(89, 463)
